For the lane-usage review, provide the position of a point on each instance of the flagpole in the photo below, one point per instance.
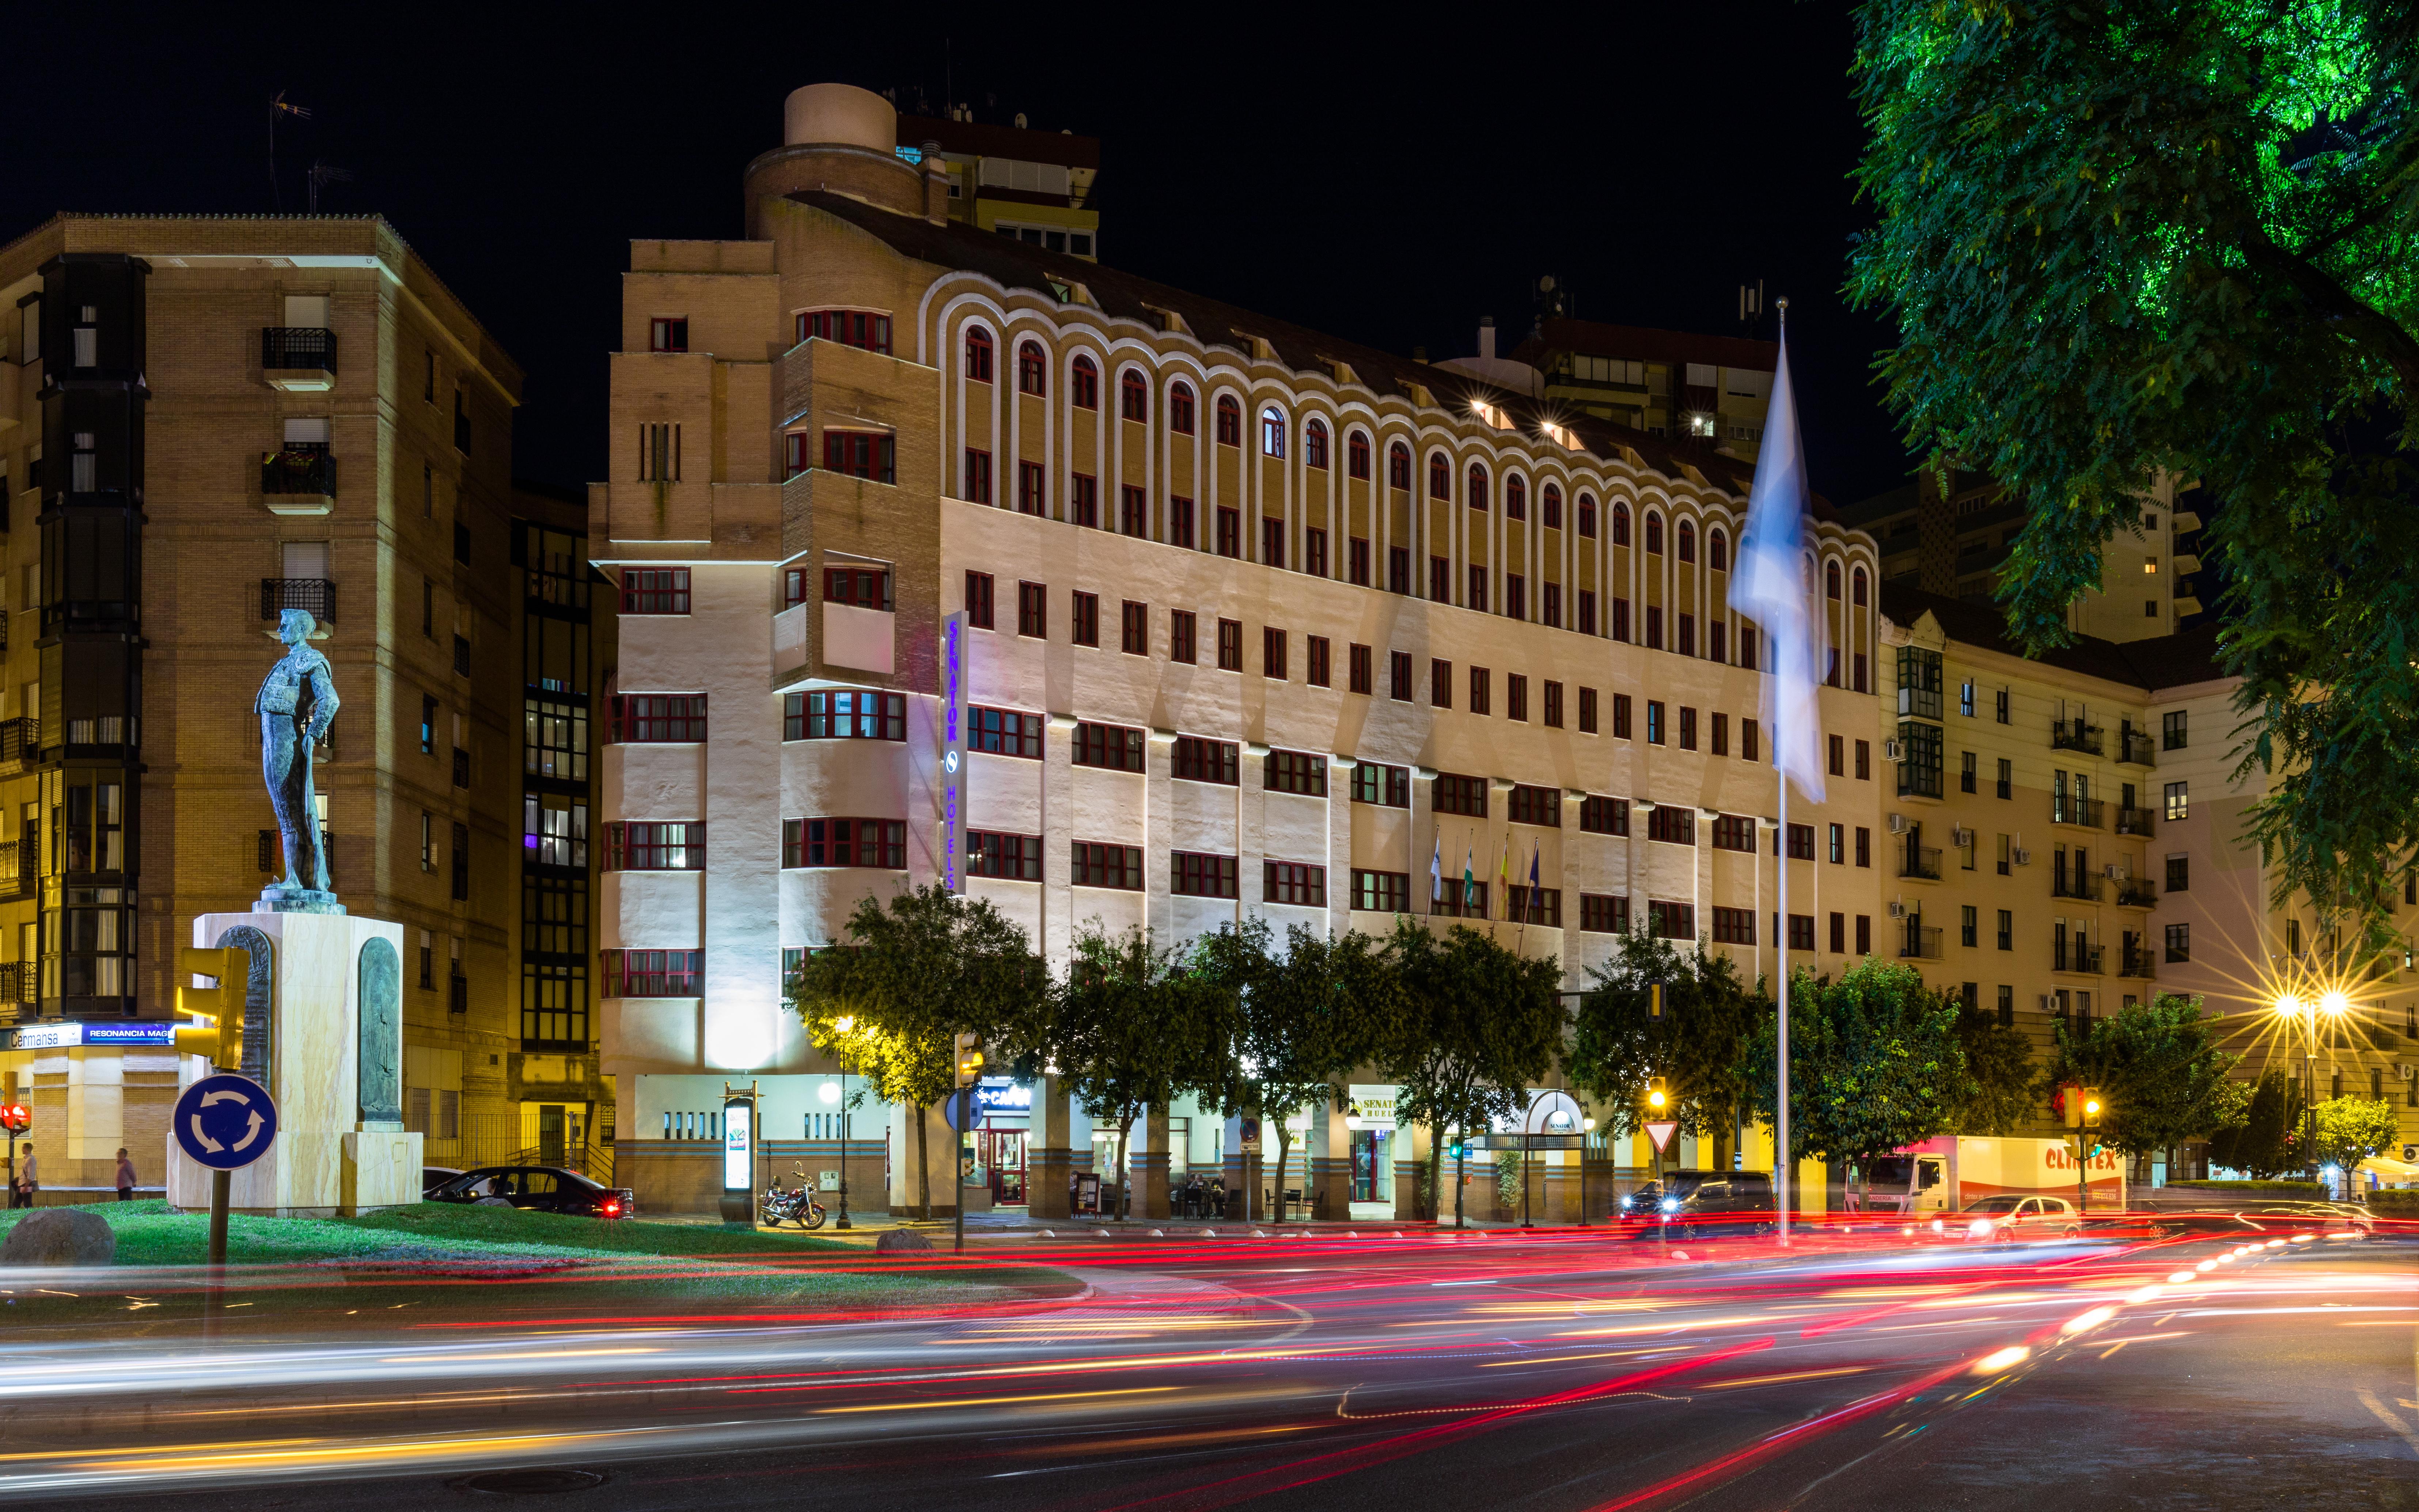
(1781, 1171)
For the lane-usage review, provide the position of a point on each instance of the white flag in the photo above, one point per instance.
(1771, 586)
(1436, 870)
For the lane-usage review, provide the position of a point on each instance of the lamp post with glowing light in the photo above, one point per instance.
(2289, 1005)
(843, 1024)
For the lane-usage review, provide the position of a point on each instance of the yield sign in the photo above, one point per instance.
(1661, 1131)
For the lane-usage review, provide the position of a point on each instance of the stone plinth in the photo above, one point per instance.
(332, 1157)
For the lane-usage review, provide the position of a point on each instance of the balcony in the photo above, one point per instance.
(299, 479)
(2138, 964)
(2077, 957)
(20, 741)
(20, 873)
(297, 359)
(2134, 822)
(1919, 861)
(2085, 812)
(2134, 748)
(1919, 943)
(2081, 884)
(19, 982)
(1919, 702)
(2137, 892)
(317, 594)
(2074, 735)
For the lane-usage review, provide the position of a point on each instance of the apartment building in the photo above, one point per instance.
(2065, 838)
(1256, 620)
(1713, 389)
(1015, 180)
(205, 421)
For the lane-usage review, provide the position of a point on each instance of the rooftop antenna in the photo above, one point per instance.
(1750, 305)
(279, 107)
(324, 171)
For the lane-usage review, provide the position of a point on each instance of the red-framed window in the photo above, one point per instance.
(667, 333)
(1087, 393)
(1587, 516)
(1180, 409)
(1272, 432)
(990, 854)
(1603, 914)
(1440, 478)
(1688, 542)
(1654, 532)
(1084, 498)
(845, 713)
(1515, 498)
(978, 354)
(1550, 507)
(1620, 523)
(1032, 369)
(978, 586)
(1600, 815)
(1004, 733)
(1207, 761)
(653, 973)
(1134, 397)
(1718, 553)
(1398, 466)
(657, 718)
(977, 476)
(862, 453)
(868, 329)
(1295, 771)
(871, 842)
(1456, 795)
(863, 586)
(1356, 455)
(1193, 875)
(1032, 489)
(1536, 806)
(1230, 420)
(1314, 444)
(656, 846)
(654, 590)
(1107, 866)
(1293, 882)
(1115, 748)
(1478, 486)
(1133, 510)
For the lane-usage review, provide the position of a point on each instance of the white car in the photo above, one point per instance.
(2008, 1217)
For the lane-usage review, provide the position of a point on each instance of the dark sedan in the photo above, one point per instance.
(539, 1188)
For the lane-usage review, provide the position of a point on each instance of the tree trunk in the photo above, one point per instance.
(1278, 1188)
(923, 1163)
(1436, 1174)
(1125, 1135)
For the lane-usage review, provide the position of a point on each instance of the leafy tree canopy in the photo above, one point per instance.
(1135, 1027)
(2260, 1139)
(2158, 1069)
(2134, 238)
(1999, 1067)
(2352, 1129)
(1699, 1047)
(1874, 1063)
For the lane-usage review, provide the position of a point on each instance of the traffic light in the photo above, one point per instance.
(970, 1060)
(2091, 1108)
(16, 1118)
(2069, 1106)
(1457, 1146)
(1657, 1091)
(1654, 1002)
(217, 1011)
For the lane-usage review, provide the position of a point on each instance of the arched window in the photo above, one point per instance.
(1830, 579)
(1314, 444)
(1478, 486)
(1717, 550)
(1515, 498)
(1134, 397)
(1398, 466)
(1031, 369)
(1230, 420)
(1550, 507)
(1620, 523)
(1856, 587)
(1440, 477)
(1088, 384)
(1180, 409)
(1356, 454)
(1587, 516)
(1688, 542)
(1653, 532)
(977, 354)
(1272, 432)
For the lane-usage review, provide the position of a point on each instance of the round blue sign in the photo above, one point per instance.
(224, 1121)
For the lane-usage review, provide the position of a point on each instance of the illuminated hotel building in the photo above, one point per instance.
(1266, 622)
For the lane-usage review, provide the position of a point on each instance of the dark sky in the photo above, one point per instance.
(1389, 183)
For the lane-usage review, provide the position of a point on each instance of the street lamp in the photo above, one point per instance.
(843, 1024)
(2291, 1005)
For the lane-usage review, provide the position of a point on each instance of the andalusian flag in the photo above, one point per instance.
(1469, 881)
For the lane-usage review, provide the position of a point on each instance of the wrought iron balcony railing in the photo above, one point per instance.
(278, 595)
(298, 349)
(2074, 735)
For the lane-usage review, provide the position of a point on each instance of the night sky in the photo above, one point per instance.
(1390, 187)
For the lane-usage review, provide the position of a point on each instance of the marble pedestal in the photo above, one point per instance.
(327, 1160)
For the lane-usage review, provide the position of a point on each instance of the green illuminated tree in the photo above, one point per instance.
(1999, 1067)
(1700, 1048)
(2352, 1129)
(2134, 237)
(1135, 1027)
(2158, 1068)
(2260, 1138)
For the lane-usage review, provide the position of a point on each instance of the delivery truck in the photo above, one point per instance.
(1953, 1172)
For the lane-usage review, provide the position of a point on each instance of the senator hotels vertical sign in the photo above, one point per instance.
(953, 752)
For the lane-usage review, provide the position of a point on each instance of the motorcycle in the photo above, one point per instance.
(782, 1205)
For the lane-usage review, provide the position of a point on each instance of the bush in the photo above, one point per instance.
(2297, 1189)
(2394, 1202)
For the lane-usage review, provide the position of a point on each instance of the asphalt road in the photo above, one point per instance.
(1557, 1371)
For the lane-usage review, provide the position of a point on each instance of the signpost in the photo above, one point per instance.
(224, 1123)
(738, 1203)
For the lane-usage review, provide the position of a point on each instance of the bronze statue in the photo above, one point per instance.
(297, 704)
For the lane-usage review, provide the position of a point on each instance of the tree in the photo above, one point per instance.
(2134, 239)
(1700, 1047)
(2352, 1129)
(1467, 1026)
(2262, 1141)
(1875, 1063)
(930, 966)
(2160, 1072)
(1302, 1019)
(1135, 1027)
(1999, 1063)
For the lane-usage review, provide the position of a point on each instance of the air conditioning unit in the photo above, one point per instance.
(1961, 837)
(2115, 872)
(2021, 856)
(1896, 909)
(1893, 751)
(1898, 823)
(2044, 1002)
(2407, 1071)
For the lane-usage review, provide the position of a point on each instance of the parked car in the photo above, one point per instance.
(1740, 1203)
(1665, 1194)
(539, 1188)
(433, 1177)
(2009, 1216)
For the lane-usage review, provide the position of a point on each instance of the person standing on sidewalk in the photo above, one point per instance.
(28, 1178)
(126, 1182)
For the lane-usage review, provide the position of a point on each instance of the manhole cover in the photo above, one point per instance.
(532, 1482)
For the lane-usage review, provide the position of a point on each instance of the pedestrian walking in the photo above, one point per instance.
(126, 1182)
(28, 1178)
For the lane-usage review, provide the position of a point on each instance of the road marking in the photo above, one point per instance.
(1795, 1375)
(992, 1401)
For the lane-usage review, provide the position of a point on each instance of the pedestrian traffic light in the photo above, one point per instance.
(970, 1060)
(1457, 1146)
(1658, 1093)
(2091, 1107)
(215, 1013)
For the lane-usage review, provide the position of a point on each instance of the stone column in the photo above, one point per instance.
(1150, 1164)
(1326, 1185)
(1243, 1174)
(1048, 1161)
